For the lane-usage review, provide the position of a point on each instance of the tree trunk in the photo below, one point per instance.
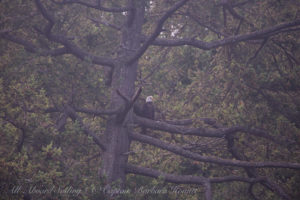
(115, 157)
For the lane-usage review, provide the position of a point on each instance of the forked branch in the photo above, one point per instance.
(261, 34)
(156, 32)
(128, 104)
(69, 46)
(32, 48)
(210, 159)
(219, 132)
(190, 179)
(72, 114)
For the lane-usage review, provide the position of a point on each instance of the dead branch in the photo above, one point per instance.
(218, 132)
(71, 47)
(156, 32)
(72, 114)
(97, 6)
(229, 40)
(210, 159)
(128, 104)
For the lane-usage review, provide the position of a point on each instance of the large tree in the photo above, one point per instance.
(89, 60)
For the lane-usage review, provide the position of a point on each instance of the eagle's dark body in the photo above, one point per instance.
(146, 111)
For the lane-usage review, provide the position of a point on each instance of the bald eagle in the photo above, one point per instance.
(147, 111)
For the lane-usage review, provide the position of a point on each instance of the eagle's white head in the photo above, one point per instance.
(149, 99)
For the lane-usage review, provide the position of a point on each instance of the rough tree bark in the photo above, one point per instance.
(114, 158)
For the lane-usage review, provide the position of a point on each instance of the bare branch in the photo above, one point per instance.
(19, 126)
(288, 55)
(212, 122)
(51, 110)
(72, 48)
(238, 28)
(258, 50)
(68, 111)
(156, 32)
(263, 134)
(91, 5)
(210, 159)
(241, 3)
(97, 112)
(199, 22)
(72, 114)
(128, 104)
(26, 44)
(190, 179)
(219, 132)
(230, 40)
(47, 16)
(30, 47)
(83, 55)
(252, 172)
(183, 122)
(229, 7)
(126, 99)
(276, 188)
(187, 179)
(136, 96)
(236, 178)
(97, 22)
(163, 126)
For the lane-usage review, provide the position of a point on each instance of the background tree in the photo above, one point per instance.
(71, 71)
